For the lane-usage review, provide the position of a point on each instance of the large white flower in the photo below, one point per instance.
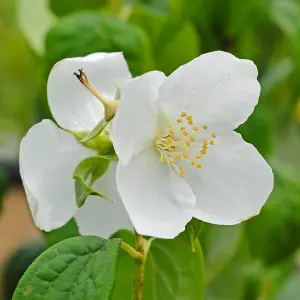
(49, 155)
(179, 156)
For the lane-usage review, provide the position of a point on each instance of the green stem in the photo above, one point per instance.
(131, 251)
(140, 267)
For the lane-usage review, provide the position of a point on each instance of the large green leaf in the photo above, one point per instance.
(77, 268)
(173, 271)
(87, 32)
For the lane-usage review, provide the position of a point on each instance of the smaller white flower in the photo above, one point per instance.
(49, 155)
(178, 154)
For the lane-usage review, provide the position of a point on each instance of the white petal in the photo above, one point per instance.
(155, 197)
(72, 105)
(233, 184)
(135, 122)
(48, 157)
(216, 88)
(101, 217)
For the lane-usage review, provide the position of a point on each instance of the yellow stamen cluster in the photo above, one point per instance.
(179, 141)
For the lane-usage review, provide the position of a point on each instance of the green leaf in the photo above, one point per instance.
(276, 73)
(192, 232)
(279, 221)
(173, 271)
(291, 289)
(86, 173)
(180, 12)
(95, 132)
(61, 8)
(36, 22)
(285, 14)
(220, 243)
(168, 59)
(78, 268)
(65, 232)
(258, 130)
(83, 33)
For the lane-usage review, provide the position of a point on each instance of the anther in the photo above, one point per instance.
(213, 134)
(212, 142)
(185, 155)
(199, 166)
(198, 157)
(179, 120)
(204, 127)
(178, 157)
(195, 128)
(183, 114)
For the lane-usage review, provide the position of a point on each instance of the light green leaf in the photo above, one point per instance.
(86, 173)
(285, 14)
(35, 19)
(276, 73)
(168, 59)
(65, 232)
(173, 271)
(192, 232)
(221, 243)
(95, 132)
(118, 92)
(291, 289)
(78, 268)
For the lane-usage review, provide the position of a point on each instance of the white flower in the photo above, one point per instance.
(178, 154)
(49, 155)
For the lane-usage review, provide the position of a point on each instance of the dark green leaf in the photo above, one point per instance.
(87, 32)
(61, 8)
(86, 173)
(173, 271)
(77, 268)
(67, 231)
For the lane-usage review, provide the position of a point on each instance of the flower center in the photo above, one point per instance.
(184, 142)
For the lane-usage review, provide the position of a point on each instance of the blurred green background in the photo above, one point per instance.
(257, 260)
